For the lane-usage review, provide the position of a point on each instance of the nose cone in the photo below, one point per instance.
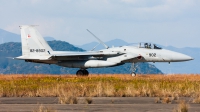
(180, 57)
(183, 57)
(171, 56)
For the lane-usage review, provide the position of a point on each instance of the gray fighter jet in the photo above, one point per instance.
(35, 49)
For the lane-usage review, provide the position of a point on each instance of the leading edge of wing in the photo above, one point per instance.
(65, 54)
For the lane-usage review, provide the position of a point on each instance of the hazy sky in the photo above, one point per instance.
(166, 22)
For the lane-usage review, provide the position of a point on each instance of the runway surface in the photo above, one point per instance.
(99, 104)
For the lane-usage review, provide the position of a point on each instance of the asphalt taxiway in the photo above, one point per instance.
(99, 104)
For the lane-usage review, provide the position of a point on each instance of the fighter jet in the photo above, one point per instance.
(35, 49)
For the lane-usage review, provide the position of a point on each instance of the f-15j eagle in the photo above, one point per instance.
(35, 49)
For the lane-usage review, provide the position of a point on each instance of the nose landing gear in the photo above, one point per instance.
(133, 69)
(82, 72)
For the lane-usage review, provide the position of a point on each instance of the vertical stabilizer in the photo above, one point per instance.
(33, 44)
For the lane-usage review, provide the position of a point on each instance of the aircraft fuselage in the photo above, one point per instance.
(124, 56)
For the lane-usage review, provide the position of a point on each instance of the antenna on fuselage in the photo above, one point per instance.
(95, 47)
(98, 39)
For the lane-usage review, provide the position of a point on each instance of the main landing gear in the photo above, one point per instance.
(82, 72)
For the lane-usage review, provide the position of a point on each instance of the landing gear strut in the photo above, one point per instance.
(133, 70)
(82, 72)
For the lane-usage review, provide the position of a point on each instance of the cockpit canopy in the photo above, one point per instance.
(149, 45)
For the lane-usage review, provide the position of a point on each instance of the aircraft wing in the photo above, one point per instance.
(65, 55)
(112, 56)
(57, 55)
(71, 54)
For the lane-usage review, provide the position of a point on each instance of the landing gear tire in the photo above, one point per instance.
(133, 74)
(79, 73)
(82, 73)
(86, 73)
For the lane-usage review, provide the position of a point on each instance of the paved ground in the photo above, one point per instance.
(99, 104)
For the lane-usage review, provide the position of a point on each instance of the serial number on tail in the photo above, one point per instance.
(37, 50)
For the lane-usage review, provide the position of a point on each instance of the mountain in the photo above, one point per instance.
(187, 67)
(111, 43)
(6, 36)
(13, 49)
(89, 46)
(49, 38)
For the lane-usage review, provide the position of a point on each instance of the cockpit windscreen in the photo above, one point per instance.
(149, 46)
